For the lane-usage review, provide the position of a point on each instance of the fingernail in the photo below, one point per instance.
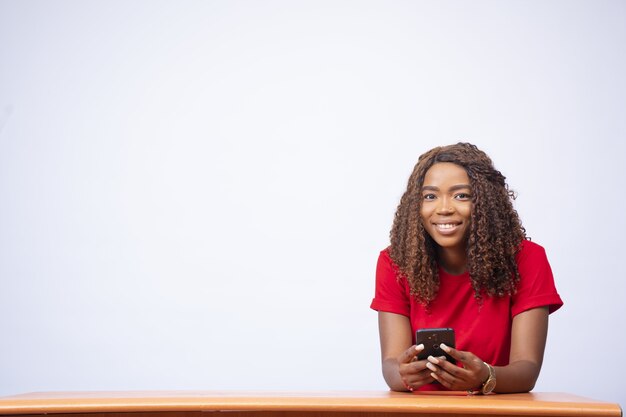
(445, 348)
(419, 347)
(433, 359)
(431, 366)
(434, 376)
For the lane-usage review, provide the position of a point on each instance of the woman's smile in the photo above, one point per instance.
(447, 228)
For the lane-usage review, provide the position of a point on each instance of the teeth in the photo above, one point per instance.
(446, 225)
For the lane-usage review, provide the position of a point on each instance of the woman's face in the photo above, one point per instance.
(447, 205)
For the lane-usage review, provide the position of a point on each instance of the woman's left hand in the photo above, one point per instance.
(469, 377)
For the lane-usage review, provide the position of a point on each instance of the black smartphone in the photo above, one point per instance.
(432, 339)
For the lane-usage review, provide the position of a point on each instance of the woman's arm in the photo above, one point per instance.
(528, 340)
(400, 370)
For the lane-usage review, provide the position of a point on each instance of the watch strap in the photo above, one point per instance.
(490, 382)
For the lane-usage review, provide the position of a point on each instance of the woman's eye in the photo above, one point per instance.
(463, 196)
(428, 196)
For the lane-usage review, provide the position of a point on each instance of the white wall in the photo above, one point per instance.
(193, 194)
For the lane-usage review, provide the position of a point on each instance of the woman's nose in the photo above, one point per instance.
(446, 206)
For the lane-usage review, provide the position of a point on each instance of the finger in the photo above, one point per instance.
(437, 373)
(449, 374)
(411, 353)
(439, 366)
(436, 360)
(452, 376)
(413, 372)
(470, 361)
(414, 381)
(413, 368)
(459, 355)
(444, 364)
(455, 372)
(442, 380)
(432, 367)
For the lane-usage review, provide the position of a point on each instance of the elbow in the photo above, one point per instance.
(392, 376)
(519, 388)
(528, 383)
(533, 376)
(520, 377)
(530, 386)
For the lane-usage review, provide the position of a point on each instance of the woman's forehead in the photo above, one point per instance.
(446, 173)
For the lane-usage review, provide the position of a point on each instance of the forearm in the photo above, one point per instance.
(528, 341)
(392, 375)
(519, 376)
(395, 341)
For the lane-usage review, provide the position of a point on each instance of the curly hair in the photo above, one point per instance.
(495, 234)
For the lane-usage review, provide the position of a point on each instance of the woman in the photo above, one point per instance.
(459, 258)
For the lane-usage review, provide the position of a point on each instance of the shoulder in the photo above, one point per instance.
(530, 251)
(385, 257)
(532, 260)
(536, 287)
(386, 264)
(530, 246)
(385, 260)
(391, 294)
(388, 270)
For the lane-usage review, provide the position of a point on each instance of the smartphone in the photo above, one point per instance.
(432, 339)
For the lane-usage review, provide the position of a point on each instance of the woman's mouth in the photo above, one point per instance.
(446, 228)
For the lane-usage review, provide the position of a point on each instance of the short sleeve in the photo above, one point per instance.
(391, 294)
(536, 287)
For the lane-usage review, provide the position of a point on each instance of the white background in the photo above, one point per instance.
(193, 194)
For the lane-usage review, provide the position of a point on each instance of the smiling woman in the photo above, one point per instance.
(459, 258)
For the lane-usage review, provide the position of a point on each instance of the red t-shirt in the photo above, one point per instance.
(484, 330)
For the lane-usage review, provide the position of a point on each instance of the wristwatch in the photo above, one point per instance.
(490, 383)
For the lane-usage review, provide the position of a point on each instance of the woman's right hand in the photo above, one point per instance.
(413, 372)
(401, 369)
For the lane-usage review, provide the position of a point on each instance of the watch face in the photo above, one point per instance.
(489, 385)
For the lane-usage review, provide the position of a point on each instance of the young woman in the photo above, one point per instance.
(459, 258)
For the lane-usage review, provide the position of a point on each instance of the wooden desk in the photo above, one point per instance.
(291, 404)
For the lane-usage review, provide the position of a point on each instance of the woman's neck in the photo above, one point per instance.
(453, 260)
